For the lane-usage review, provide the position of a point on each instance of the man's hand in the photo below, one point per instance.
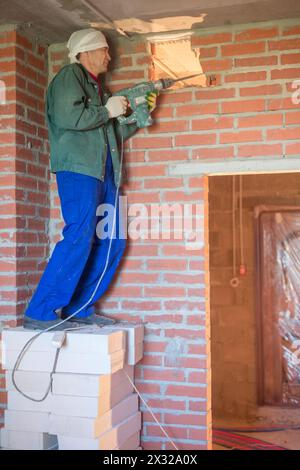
(151, 100)
(116, 106)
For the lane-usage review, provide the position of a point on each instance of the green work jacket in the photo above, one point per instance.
(79, 125)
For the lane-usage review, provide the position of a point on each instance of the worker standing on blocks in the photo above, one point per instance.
(85, 145)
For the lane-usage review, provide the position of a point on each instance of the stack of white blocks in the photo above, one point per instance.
(92, 404)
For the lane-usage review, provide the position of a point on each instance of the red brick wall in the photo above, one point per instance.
(249, 113)
(24, 178)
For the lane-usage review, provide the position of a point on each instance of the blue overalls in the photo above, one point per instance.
(78, 260)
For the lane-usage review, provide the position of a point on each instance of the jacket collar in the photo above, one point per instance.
(90, 79)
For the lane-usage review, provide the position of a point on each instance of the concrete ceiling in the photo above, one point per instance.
(54, 20)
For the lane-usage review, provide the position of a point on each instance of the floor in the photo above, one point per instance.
(287, 438)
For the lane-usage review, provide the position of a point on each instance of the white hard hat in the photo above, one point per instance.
(85, 40)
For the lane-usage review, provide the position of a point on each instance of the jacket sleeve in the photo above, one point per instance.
(67, 106)
(126, 130)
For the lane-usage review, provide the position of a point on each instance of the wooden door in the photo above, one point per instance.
(278, 319)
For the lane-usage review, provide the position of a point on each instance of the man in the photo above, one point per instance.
(84, 139)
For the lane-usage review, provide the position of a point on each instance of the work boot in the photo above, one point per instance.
(32, 324)
(94, 319)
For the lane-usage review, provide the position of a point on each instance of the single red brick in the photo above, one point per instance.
(285, 73)
(186, 419)
(275, 89)
(242, 136)
(134, 74)
(199, 109)
(141, 305)
(246, 77)
(23, 41)
(8, 137)
(58, 55)
(211, 39)
(8, 52)
(279, 104)
(261, 120)
(125, 61)
(260, 150)
(171, 98)
(26, 127)
(167, 155)
(26, 99)
(164, 291)
(247, 106)
(163, 112)
(243, 49)
(138, 278)
(7, 266)
(172, 375)
(256, 33)
(170, 264)
(256, 61)
(198, 349)
(284, 44)
(195, 139)
(36, 117)
(128, 291)
(212, 123)
(8, 66)
(213, 152)
(151, 445)
(174, 432)
(36, 62)
(8, 36)
(283, 134)
(144, 60)
(151, 142)
(292, 118)
(146, 170)
(216, 65)
(181, 278)
(211, 94)
(292, 149)
(36, 90)
(186, 391)
(171, 127)
(292, 31)
(174, 196)
(142, 197)
(290, 59)
(163, 183)
(42, 79)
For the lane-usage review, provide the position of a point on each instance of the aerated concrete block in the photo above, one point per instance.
(17, 402)
(90, 407)
(31, 421)
(134, 355)
(79, 363)
(88, 340)
(28, 381)
(86, 385)
(24, 440)
(94, 427)
(115, 437)
(135, 337)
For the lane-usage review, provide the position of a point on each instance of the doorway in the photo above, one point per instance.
(254, 285)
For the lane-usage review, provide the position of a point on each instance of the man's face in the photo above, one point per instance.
(99, 59)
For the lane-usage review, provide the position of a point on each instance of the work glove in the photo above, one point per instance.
(116, 106)
(151, 100)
